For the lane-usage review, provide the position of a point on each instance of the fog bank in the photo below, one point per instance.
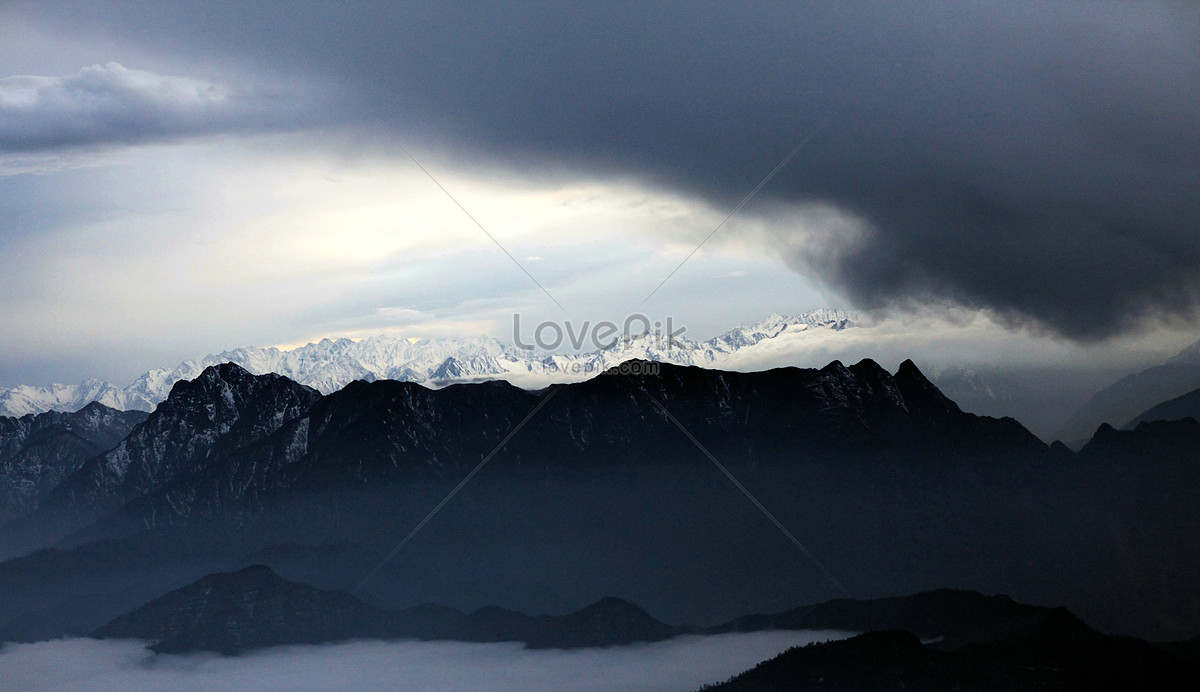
(680, 664)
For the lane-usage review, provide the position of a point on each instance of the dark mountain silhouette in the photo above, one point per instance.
(235, 612)
(975, 642)
(38, 452)
(388, 433)
(607, 622)
(1186, 406)
(1058, 660)
(971, 642)
(1148, 443)
(254, 608)
(886, 482)
(889, 660)
(1123, 400)
(326, 566)
(954, 618)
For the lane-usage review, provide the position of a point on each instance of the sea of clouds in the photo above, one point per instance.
(680, 664)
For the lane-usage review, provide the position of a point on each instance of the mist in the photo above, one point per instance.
(684, 663)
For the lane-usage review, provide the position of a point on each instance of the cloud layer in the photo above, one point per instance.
(107, 104)
(1036, 160)
(678, 665)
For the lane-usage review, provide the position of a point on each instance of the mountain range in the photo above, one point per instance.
(939, 640)
(253, 608)
(1128, 400)
(621, 485)
(1055, 405)
(331, 364)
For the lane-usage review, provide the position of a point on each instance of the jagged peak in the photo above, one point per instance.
(1060, 448)
(909, 371)
(918, 390)
(221, 372)
(868, 366)
(97, 408)
(225, 371)
(910, 374)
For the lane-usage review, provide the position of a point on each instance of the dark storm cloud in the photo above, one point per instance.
(1038, 159)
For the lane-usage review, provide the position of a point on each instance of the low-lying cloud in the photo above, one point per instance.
(678, 665)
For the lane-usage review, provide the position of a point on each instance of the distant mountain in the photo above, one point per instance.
(236, 612)
(974, 642)
(1039, 396)
(1186, 406)
(1127, 398)
(329, 365)
(1152, 443)
(23, 400)
(37, 453)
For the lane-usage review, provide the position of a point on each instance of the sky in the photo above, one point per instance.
(181, 178)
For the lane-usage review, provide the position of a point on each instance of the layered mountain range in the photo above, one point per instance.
(940, 640)
(1041, 398)
(37, 453)
(1130, 399)
(331, 364)
(971, 642)
(621, 485)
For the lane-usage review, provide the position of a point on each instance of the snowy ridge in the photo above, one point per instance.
(331, 364)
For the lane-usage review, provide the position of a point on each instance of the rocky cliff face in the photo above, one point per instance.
(226, 408)
(37, 453)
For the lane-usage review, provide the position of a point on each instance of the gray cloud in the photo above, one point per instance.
(1037, 160)
(105, 104)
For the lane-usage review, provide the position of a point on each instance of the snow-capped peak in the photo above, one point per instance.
(330, 364)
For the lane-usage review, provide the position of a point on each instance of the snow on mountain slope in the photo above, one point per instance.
(331, 364)
(24, 399)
